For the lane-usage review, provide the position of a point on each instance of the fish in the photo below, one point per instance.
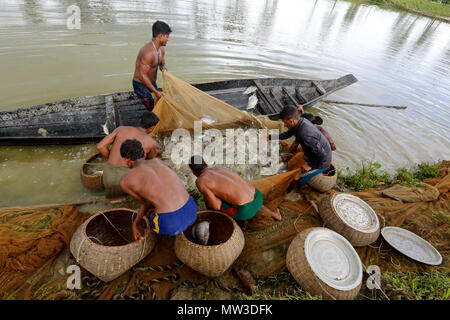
(250, 90)
(43, 132)
(200, 232)
(252, 101)
(208, 119)
(105, 128)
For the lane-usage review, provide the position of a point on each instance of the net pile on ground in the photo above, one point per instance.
(30, 239)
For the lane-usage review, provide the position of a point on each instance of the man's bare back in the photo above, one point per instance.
(226, 185)
(153, 181)
(118, 136)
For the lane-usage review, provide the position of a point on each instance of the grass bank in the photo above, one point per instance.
(431, 9)
(371, 175)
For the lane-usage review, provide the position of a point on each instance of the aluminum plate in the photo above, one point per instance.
(333, 259)
(356, 213)
(411, 245)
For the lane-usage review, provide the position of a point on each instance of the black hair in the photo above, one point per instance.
(197, 164)
(131, 149)
(149, 119)
(289, 113)
(314, 120)
(160, 27)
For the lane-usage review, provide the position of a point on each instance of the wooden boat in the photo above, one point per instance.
(81, 120)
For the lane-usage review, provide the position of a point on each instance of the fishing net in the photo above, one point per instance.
(33, 242)
(182, 104)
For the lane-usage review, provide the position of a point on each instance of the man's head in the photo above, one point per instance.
(197, 165)
(161, 31)
(148, 121)
(289, 116)
(314, 119)
(131, 150)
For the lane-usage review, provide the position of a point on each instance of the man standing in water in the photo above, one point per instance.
(226, 191)
(150, 57)
(153, 183)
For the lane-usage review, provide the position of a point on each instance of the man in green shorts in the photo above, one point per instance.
(226, 191)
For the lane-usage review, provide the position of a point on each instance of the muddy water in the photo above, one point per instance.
(399, 58)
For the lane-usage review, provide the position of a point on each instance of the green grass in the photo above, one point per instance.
(414, 286)
(371, 176)
(281, 286)
(423, 6)
(366, 177)
(428, 8)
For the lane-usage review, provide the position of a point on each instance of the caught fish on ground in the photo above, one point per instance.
(200, 232)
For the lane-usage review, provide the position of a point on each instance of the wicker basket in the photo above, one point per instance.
(318, 257)
(225, 244)
(351, 217)
(322, 182)
(119, 252)
(89, 181)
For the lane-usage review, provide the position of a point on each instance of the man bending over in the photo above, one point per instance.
(226, 191)
(153, 183)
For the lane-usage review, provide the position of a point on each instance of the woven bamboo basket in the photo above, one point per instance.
(91, 182)
(225, 244)
(105, 246)
(351, 217)
(325, 263)
(323, 182)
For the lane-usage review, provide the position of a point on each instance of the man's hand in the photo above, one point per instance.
(136, 233)
(158, 94)
(163, 68)
(300, 108)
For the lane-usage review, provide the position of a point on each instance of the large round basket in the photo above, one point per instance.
(324, 181)
(351, 217)
(104, 244)
(325, 263)
(91, 181)
(225, 244)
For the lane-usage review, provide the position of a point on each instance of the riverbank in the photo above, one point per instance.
(430, 9)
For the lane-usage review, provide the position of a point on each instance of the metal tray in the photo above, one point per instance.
(411, 245)
(356, 213)
(333, 259)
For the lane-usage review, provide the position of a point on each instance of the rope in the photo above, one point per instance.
(79, 248)
(376, 284)
(115, 228)
(176, 265)
(225, 288)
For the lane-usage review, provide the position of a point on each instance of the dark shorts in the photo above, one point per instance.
(145, 94)
(173, 223)
(244, 211)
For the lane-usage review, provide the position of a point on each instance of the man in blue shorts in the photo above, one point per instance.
(150, 57)
(154, 184)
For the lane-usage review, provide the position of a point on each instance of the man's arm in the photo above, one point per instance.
(145, 206)
(282, 136)
(210, 199)
(327, 135)
(103, 145)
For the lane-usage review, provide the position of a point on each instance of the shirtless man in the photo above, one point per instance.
(226, 191)
(148, 122)
(150, 57)
(153, 183)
